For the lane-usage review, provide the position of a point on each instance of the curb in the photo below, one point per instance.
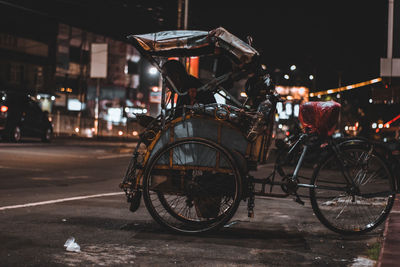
(389, 254)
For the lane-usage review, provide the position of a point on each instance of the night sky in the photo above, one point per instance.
(346, 37)
(325, 37)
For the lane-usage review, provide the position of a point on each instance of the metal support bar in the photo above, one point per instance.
(280, 195)
(299, 163)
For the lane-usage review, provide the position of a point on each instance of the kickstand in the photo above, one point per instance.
(298, 200)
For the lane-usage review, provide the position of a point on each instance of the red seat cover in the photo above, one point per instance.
(320, 117)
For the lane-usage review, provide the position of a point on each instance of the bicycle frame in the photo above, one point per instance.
(291, 184)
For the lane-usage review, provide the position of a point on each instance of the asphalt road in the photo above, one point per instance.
(69, 188)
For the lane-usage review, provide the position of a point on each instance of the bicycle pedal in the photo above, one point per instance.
(298, 200)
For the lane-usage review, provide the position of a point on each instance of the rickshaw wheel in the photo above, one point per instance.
(192, 186)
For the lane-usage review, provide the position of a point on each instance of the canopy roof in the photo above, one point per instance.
(193, 43)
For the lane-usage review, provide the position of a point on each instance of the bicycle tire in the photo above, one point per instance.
(188, 198)
(352, 210)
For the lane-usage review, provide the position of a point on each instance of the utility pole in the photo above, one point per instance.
(390, 30)
(390, 38)
(179, 24)
(98, 69)
(185, 24)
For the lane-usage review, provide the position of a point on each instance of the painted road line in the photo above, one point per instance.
(59, 200)
(114, 156)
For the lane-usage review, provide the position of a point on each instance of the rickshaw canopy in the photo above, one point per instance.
(178, 43)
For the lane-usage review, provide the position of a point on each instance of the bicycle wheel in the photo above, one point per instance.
(192, 186)
(352, 209)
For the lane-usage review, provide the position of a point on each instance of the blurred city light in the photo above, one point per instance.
(75, 105)
(220, 99)
(293, 67)
(114, 114)
(3, 108)
(153, 70)
(343, 88)
(288, 108)
(286, 77)
(296, 110)
(311, 77)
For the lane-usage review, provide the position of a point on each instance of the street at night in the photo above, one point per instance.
(40, 210)
(199, 133)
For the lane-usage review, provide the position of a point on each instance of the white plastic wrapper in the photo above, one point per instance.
(71, 245)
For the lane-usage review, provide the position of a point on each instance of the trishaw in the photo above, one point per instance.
(193, 170)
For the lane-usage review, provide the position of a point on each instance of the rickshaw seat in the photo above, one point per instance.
(319, 117)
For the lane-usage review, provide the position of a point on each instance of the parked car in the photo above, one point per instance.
(21, 116)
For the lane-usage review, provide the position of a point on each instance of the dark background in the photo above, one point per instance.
(331, 39)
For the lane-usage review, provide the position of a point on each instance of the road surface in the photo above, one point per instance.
(69, 188)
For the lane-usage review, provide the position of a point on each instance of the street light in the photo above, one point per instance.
(293, 67)
(153, 70)
(286, 77)
(311, 77)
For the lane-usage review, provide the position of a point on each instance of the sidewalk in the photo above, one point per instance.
(390, 251)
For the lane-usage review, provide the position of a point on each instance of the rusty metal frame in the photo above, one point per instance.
(170, 126)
